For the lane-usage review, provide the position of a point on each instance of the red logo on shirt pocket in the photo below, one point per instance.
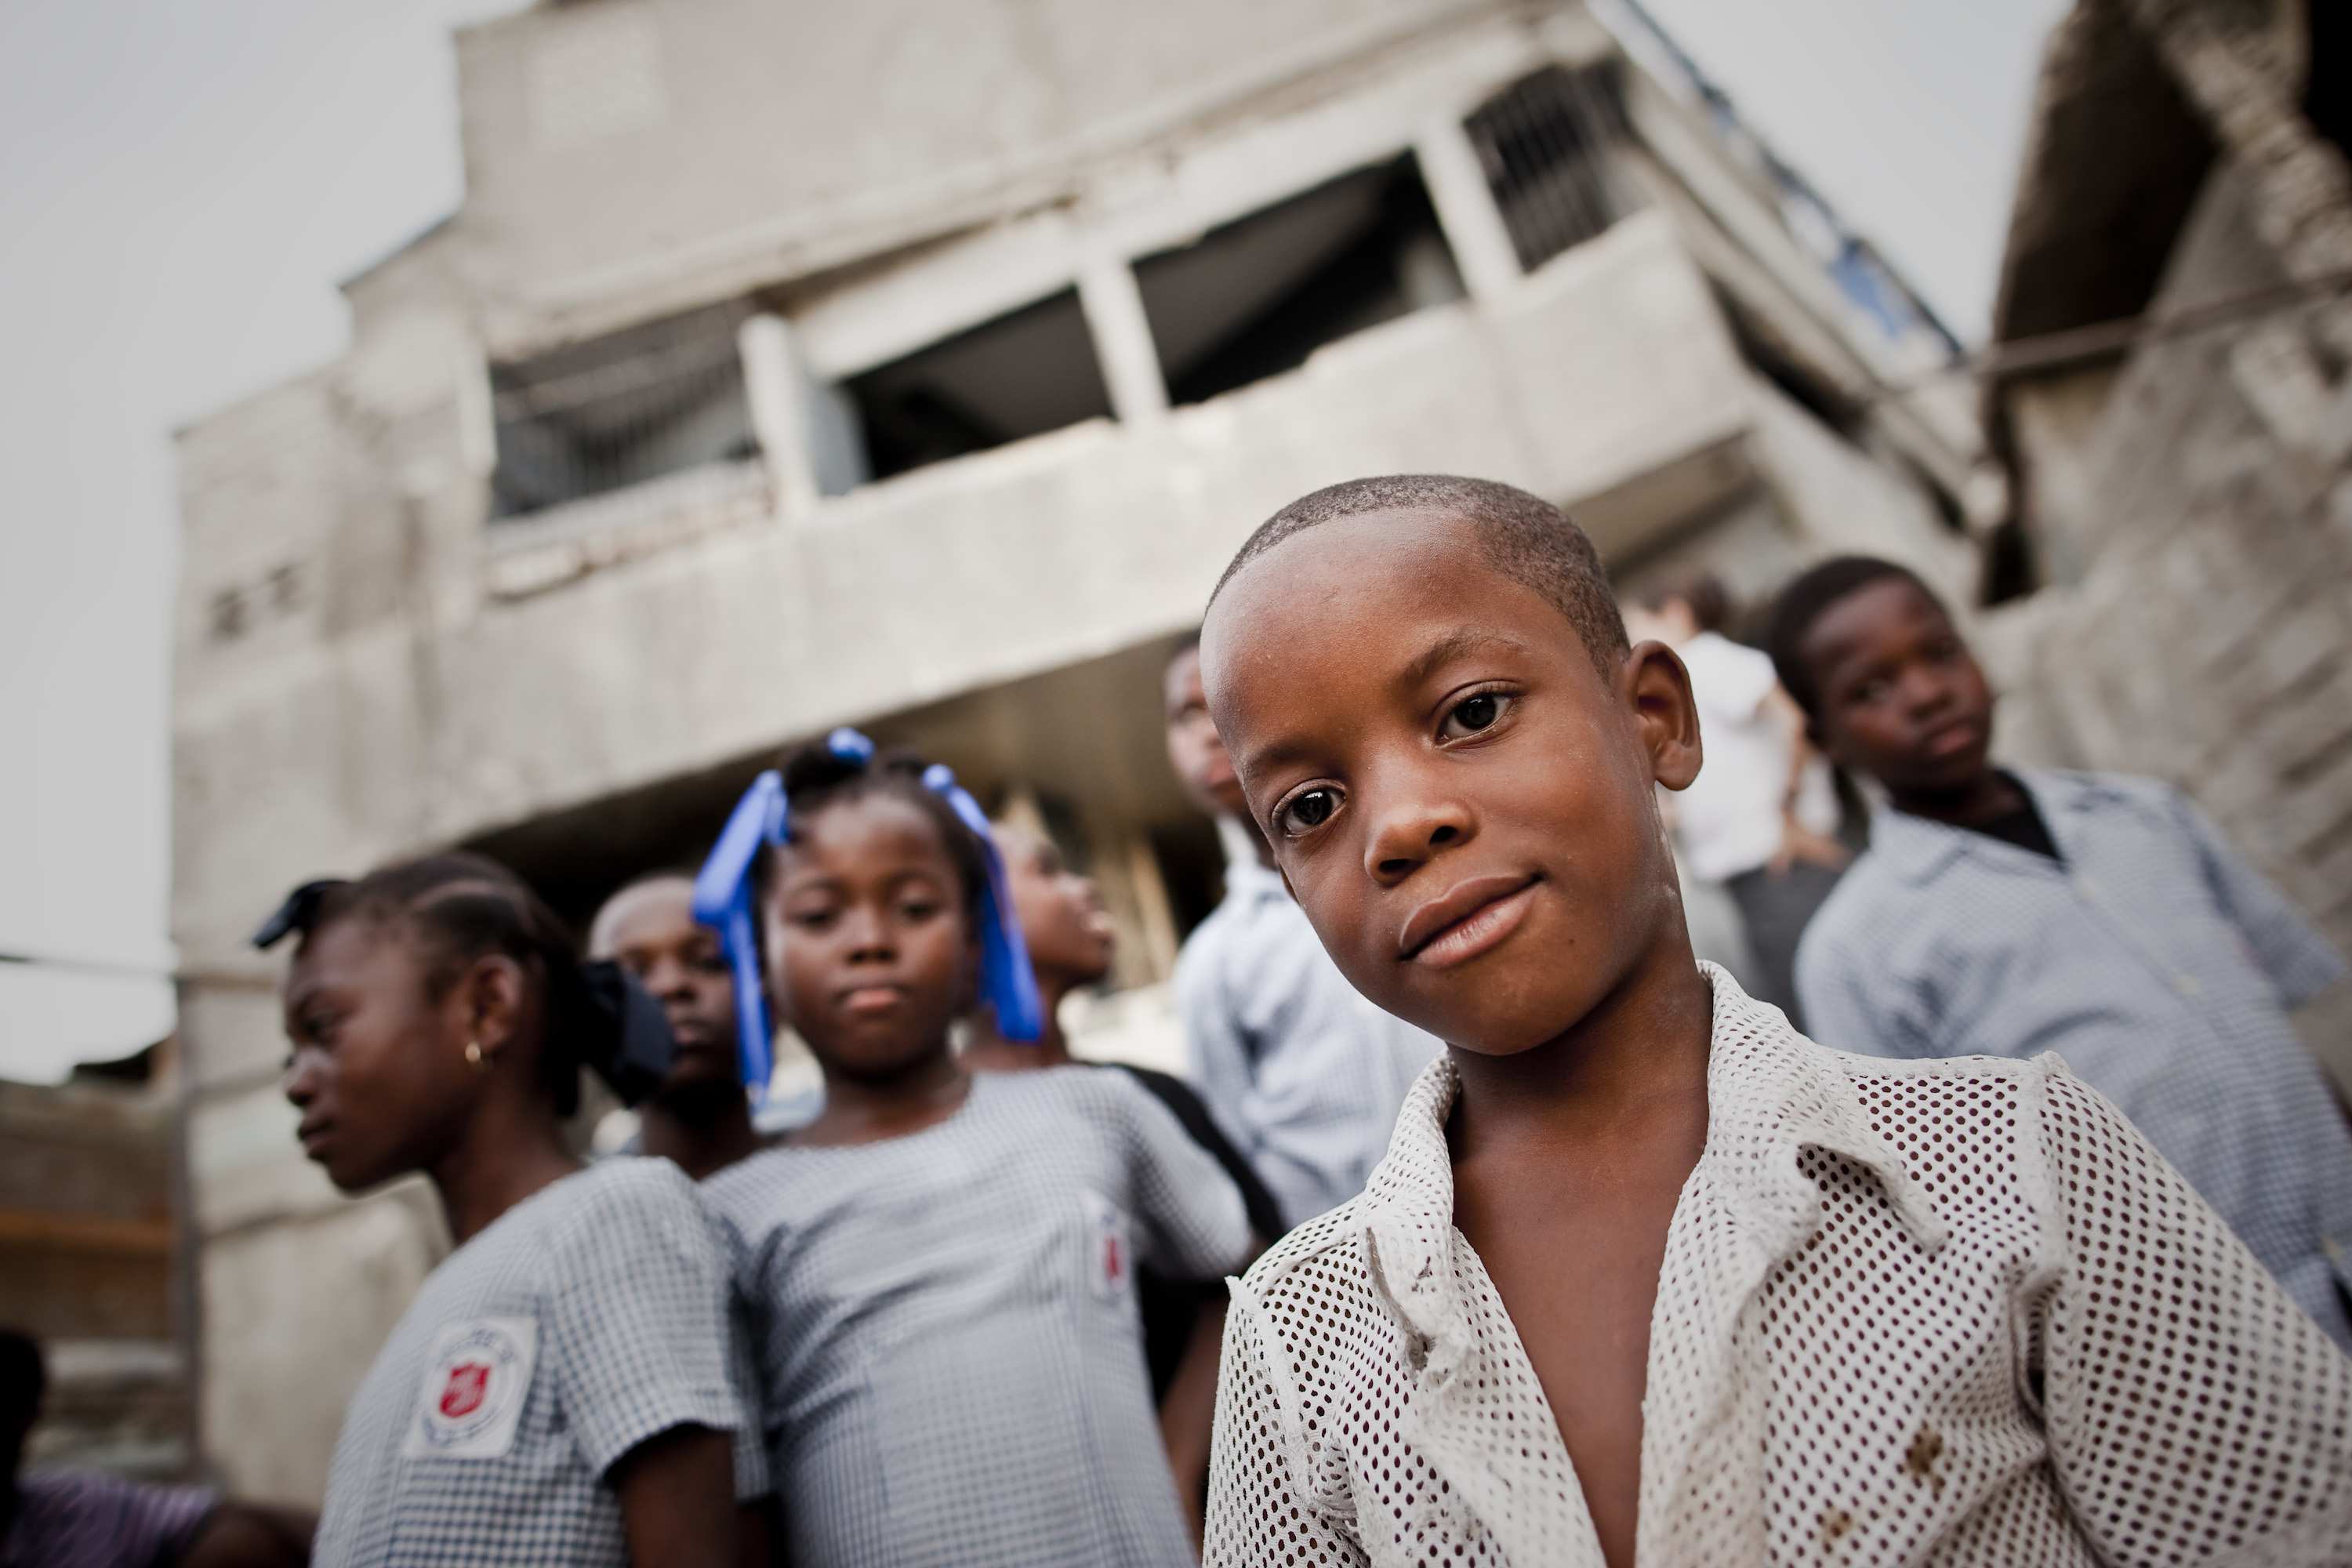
(1106, 1245)
(469, 1383)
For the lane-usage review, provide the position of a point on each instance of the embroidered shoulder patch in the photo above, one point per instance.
(475, 1382)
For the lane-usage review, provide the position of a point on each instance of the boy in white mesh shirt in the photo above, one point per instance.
(1646, 1275)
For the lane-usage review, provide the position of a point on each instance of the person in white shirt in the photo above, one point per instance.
(1647, 1276)
(1761, 818)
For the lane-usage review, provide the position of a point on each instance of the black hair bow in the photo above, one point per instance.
(295, 914)
(625, 1038)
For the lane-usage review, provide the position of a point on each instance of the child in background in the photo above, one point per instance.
(1302, 1073)
(952, 1366)
(699, 1117)
(1071, 940)
(559, 1390)
(2101, 916)
(1646, 1276)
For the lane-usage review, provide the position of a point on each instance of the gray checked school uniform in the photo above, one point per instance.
(953, 1362)
(588, 1318)
(2159, 963)
(1302, 1073)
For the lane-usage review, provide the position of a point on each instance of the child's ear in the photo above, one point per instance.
(493, 998)
(1657, 688)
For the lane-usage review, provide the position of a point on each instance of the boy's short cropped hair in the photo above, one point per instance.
(1801, 602)
(1524, 538)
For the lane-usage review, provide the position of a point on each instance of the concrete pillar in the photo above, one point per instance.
(1456, 179)
(771, 383)
(478, 414)
(1157, 915)
(1122, 338)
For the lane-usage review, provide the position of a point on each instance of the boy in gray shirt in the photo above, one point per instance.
(1302, 1073)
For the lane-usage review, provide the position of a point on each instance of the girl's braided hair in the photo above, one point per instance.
(462, 906)
(815, 777)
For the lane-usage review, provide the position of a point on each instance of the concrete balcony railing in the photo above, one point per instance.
(1606, 378)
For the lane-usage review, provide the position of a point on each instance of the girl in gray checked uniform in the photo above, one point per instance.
(560, 1390)
(952, 1362)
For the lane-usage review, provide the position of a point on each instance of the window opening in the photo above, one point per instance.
(1806, 386)
(1018, 375)
(1255, 297)
(1547, 142)
(623, 409)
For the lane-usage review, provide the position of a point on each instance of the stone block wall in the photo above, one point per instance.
(2201, 532)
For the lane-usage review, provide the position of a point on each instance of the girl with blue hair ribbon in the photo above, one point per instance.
(949, 1348)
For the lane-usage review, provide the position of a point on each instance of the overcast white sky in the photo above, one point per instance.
(182, 186)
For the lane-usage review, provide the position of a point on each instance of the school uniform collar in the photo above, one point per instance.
(1748, 1178)
(1918, 850)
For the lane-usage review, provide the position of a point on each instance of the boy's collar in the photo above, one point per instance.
(1772, 1093)
(1918, 849)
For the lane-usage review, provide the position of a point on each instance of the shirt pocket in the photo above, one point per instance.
(1105, 1250)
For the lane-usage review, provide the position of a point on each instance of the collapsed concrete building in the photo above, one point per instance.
(919, 368)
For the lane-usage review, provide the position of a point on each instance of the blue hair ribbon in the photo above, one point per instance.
(722, 900)
(1007, 984)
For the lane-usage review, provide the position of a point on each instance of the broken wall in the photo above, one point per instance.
(2205, 522)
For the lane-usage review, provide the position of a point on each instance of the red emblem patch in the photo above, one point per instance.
(469, 1382)
(1114, 1264)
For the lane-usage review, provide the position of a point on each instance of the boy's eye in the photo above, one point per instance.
(1305, 812)
(918, 908)
(811, 920)
(1478, 711)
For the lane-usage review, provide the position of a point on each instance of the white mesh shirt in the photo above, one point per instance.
(952, 1355)
(586, 1320)
(1932, 1312)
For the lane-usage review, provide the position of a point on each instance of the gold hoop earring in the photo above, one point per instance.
(476, 1058)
